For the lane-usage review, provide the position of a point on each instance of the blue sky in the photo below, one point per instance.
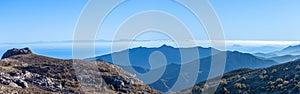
(38, 20)
(55, 20)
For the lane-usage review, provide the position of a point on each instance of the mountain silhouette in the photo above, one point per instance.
(234, 60)
(290, 53)
(285, 58)
(139, 57)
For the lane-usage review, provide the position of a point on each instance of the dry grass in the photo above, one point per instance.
(8, 68)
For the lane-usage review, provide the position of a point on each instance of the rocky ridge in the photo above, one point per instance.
(25, 72)
(16, 51)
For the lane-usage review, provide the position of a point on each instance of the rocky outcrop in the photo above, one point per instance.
(46, 83)
(15, 80)
(16, 51)
(22, 79)
(29, 73)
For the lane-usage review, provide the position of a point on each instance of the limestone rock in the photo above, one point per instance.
(15, 51)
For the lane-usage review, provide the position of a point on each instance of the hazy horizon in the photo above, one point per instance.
(63, 49)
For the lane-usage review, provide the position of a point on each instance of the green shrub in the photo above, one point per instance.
(237, 85)
(272, 87)
(298, 85)
(223, 82)
(197, 88)
(238, 76)
(274, 70)
(240, 86)
(285, 82)
(262, 77)
(244, 78)
(225, 90)
(206, 86)
(297, 67)
(239, 92)
(244, 86)
(279, 80)
(271, 83)
(279, 86)
(264, 72)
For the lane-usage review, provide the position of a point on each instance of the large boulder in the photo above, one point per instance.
(15, 51)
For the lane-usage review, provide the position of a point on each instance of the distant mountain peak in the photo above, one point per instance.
(165, 46)
(16, 51)
(292, 47)
(237, 45)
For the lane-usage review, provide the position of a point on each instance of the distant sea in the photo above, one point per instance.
(63, 50)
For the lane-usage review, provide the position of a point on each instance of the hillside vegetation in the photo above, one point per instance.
(279, 79)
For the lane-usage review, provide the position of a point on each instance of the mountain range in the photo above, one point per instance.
(234, 60)
(284, 55)
(139, 56)
(253, 49)
(139, 59)
(23, 71)
(291, 50)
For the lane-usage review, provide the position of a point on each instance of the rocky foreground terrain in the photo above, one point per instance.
(21, 71)
(279, 79)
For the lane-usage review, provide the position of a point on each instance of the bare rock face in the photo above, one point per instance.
(15, 51)
(14, 80)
